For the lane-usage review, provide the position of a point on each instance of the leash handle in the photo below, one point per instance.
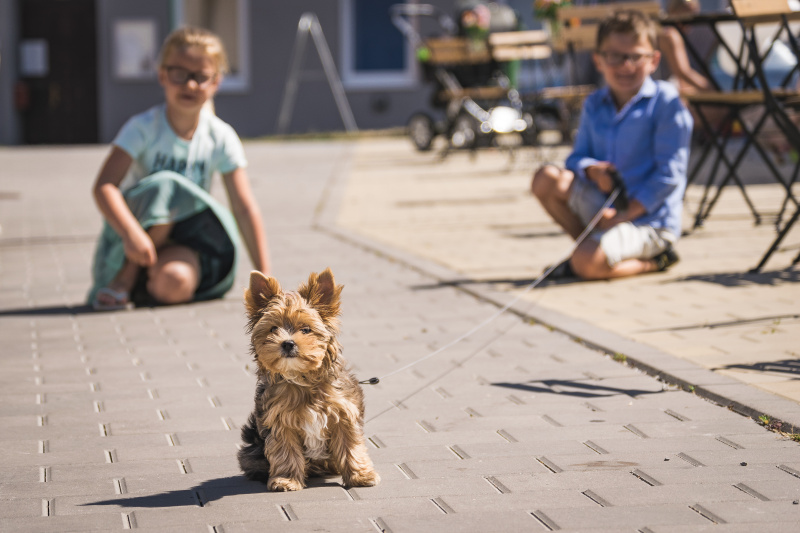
(621, 202)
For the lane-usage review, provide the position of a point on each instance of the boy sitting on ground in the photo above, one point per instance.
(640, 127)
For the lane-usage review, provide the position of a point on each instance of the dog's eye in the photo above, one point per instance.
(274, 329)
(306, 330)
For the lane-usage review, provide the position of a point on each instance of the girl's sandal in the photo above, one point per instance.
(119, 300)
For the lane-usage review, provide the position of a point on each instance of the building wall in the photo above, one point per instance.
(119, 99)
(273, 37)
(9, 121)
(254, 111)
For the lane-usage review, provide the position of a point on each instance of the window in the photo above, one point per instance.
(374, 52)
(228, 19)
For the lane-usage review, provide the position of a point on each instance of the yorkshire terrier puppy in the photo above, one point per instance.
(309, 410)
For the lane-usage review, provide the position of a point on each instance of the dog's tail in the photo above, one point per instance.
(251, 456)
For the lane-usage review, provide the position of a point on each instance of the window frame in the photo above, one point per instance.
(386, 79)
(231, 83)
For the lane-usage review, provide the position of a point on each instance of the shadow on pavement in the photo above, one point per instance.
(516, 283)
(204, 493)
(574, 388)
(536, 235)
(774, 320)
(786, 366)
(50, 311)
(740, 279)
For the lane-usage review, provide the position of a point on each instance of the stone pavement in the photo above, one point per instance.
(129, 420)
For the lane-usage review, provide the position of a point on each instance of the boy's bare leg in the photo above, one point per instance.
(551, 186)
(590, 263)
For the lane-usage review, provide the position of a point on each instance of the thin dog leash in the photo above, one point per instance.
(619, 191)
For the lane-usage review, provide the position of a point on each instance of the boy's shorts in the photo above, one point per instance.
(623, 241)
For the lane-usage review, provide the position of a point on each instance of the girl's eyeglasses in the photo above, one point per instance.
(181, 76)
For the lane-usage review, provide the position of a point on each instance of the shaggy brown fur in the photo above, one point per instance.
(309, 410)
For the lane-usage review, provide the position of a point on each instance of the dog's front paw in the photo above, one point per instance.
(364, 478)
(284, 484)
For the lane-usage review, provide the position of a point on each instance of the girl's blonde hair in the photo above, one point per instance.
(189, 36)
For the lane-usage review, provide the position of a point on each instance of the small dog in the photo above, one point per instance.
(309, 410)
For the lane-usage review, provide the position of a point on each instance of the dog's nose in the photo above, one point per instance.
(288, 346)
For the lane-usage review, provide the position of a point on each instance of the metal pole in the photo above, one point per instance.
(290, 91)
(310, 24)
(333, 77)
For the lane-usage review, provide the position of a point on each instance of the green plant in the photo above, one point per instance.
(548, 9)
(620, 357)
(765, 419)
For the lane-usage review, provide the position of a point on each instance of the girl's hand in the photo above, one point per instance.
(139, 248)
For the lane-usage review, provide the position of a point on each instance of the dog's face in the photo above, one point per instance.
(293, 333)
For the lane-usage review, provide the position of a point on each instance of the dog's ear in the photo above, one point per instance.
(322, 293)
(262, 289)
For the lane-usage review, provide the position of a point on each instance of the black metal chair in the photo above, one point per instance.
(778, 104)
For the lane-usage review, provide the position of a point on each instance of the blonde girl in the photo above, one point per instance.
(165, 239)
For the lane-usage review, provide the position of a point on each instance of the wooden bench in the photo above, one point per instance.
(447, 51)
(520, 45)
(577, 25)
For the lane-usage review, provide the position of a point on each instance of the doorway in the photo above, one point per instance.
(57, 91)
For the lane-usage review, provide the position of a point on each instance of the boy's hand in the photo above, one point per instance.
(608, 219)
(611, 217)
(139, 248)
(599, 175)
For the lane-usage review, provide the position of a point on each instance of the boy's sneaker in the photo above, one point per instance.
(666, 259)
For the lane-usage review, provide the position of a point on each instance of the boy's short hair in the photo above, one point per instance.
(188, 36)
(629, 22)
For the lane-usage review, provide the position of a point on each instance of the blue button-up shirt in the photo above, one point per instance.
(647, 140)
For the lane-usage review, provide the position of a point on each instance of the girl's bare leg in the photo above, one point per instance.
(175, 276)
(126, 278)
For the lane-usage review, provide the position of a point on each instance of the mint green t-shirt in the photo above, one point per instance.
(150, 141)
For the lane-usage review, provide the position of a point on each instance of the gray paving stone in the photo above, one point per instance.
(720, 474)
(765, 454)
(422, 487)
(569, 480)
(754, 511)
(515, 520)
(776, 524)
(666, 494)
(20, 507)
(31, 493)
(95, 522)
(664, 444)
(419, 506)
(623, 517)
(479, 450)
(411, 453)
(344, 524)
